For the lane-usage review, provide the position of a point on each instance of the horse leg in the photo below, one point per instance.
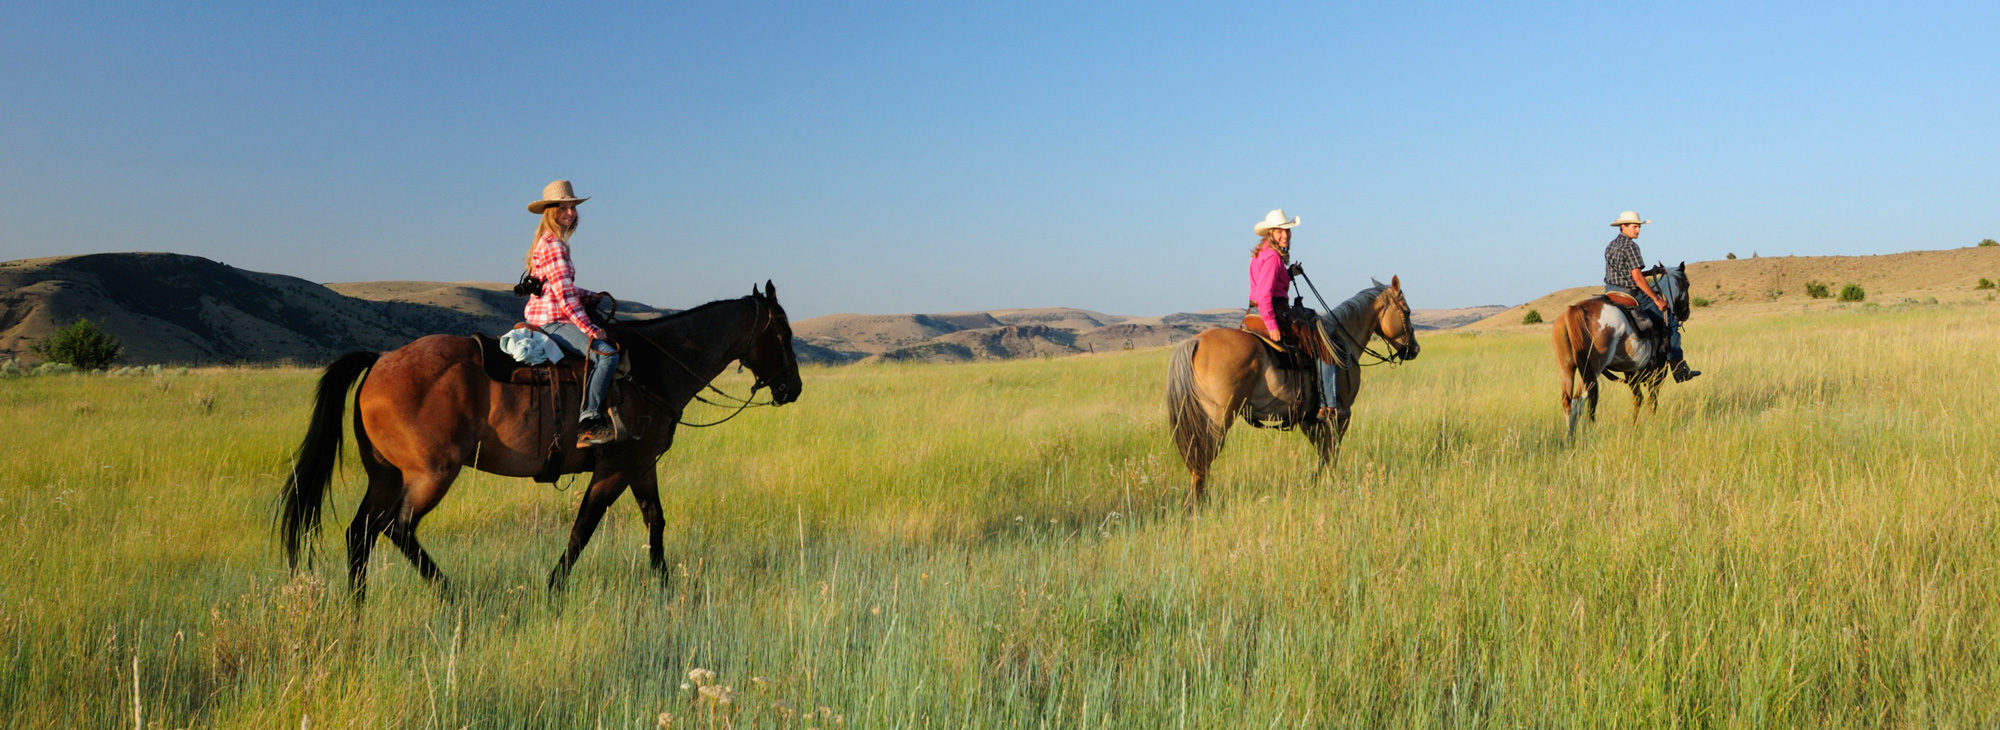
(424, 491)
(1219, 419)
(1638, 399)
(377, 510)
(646, 491)
(604, 489)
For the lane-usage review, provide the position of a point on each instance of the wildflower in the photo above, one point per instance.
(701, 677)
(719, 694)
(666, 720)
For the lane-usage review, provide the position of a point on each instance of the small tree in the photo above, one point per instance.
(82, 345)
(1852, 293)
(1534, 317)
(1817, 290)
(1988, 242)
(1732, 256)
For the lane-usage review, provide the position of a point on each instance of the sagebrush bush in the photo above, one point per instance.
(1817, 289)
(1700, 301)
(1984, 283)
(1852, 293)
(1988, 242)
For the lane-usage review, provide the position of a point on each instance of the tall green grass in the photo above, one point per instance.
(1803, 536)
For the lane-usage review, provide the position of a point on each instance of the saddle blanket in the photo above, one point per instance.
(529, 346)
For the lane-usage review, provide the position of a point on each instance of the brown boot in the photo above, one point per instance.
(1683, 373)
(593, 432)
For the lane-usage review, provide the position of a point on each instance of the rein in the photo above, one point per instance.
(1394, 358)
(764, 318)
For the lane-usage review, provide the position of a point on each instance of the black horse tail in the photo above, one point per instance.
(305, 489)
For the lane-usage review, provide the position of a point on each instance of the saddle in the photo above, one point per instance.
(1650, 325)
(1303, 337)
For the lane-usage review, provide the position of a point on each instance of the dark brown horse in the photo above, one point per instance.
(1595, 337)
(1222, 374)
(428, 409)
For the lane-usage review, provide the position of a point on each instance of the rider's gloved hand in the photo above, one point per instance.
(1297, 269)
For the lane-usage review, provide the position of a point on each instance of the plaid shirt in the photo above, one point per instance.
(1620, 258)
(560, 300)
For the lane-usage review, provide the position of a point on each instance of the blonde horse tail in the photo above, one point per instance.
(1196, 435)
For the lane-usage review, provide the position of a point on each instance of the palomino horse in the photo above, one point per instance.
(428, 409)
(1596, 337)
(1223, 373)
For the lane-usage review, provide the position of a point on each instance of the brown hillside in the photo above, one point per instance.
(177, 309)
(871, 334)
(1746, 287)
(995, 343)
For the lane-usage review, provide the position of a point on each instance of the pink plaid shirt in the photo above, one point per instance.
(1269, 286)
(560, 300)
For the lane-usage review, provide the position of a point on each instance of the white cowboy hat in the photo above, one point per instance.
(1273, 219)
(1628, 217)
(555, 193)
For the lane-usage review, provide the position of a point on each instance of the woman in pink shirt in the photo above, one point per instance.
(1271, 272)
(559, 308)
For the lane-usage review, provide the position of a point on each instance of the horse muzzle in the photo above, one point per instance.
(783, 393)
(1407, 353)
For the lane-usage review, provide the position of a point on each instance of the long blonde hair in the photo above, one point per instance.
(547, 226)
(1284, 256)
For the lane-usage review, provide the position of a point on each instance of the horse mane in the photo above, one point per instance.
(1362, 302)
(649, 368)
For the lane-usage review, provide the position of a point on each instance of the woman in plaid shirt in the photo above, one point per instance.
(559, 309)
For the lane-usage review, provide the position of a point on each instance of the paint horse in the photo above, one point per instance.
(429, 409)
(1601, 336)
(1223, 374)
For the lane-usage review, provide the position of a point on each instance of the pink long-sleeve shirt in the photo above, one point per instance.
(561, 299)
(1269, 287)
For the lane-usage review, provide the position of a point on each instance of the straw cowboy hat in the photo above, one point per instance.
(556, 193)
(1273, 219)
(1628, 217)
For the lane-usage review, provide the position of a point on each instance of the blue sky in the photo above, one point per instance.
(929, 157)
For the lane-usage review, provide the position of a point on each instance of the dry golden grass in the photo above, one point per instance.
(1802, 538)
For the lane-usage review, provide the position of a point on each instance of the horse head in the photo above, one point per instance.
(1674, 289)
(770, 357)
(1392, 320)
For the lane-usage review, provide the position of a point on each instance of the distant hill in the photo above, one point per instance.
(178, 309)
(1748, 287)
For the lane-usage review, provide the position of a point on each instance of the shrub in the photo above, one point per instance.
(1534, 317)
(82, 345)
(1817, 290)
(1988, 242)
(1732, 256)
(1700, 301)
(1852, 293)
(1984, 283)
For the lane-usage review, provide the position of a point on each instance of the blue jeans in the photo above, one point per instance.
(1673, 328)
(577, 344)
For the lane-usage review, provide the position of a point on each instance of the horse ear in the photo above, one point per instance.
(1396, 282)
(754, 292)
(770, 290)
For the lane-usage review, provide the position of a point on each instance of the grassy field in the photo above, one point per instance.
(1806, 536)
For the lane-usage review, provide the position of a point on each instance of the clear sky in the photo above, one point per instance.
(929, 157)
